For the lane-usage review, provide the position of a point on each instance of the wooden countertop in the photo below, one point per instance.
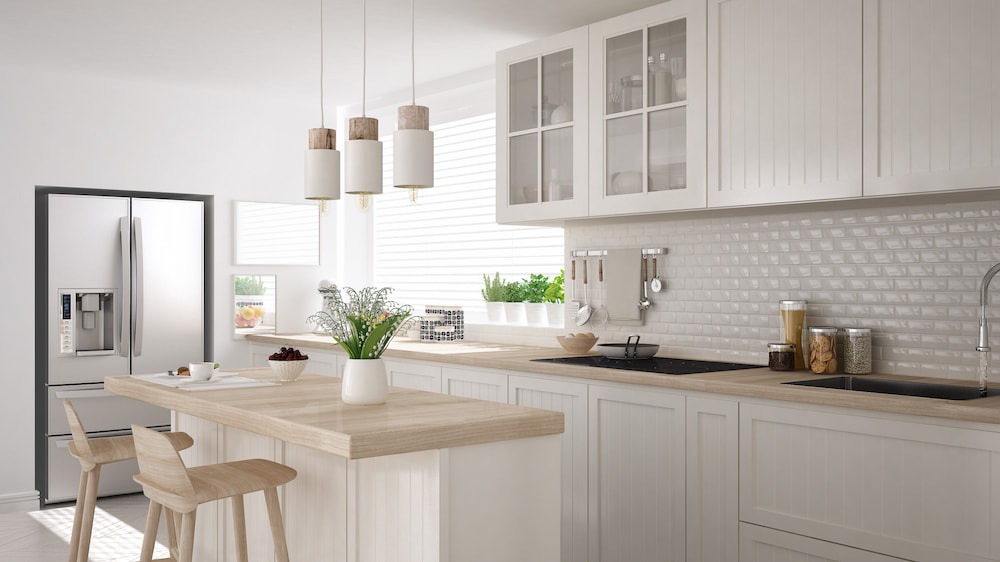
(309, 412)
(753, 383)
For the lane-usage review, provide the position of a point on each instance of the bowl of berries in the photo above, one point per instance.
(288, 363)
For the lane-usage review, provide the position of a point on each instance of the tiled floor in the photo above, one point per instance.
(43, 536)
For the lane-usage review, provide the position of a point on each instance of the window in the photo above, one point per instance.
(437, 250)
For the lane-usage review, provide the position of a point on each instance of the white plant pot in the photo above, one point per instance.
(514, 311)
(365, 382)
(535, 313)
(556, 312)
(494, 311)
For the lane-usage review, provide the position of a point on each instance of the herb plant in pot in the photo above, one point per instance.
(494, 292)
(534, 296)
(363, 325)
(513, 306)
(555, 307)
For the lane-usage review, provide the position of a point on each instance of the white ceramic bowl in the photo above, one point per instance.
(288, 371)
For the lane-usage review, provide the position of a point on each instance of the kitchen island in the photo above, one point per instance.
(423, 477)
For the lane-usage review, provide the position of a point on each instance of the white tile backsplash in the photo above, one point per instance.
(909, 272)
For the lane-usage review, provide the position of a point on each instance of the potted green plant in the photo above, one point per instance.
(555, 307)
(534, 297)
(513, 306)
(494, 293)
(249, 306)
(363, 325)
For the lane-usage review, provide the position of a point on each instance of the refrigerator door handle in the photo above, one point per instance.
(124, 297)
(88, 393)
(137, 238)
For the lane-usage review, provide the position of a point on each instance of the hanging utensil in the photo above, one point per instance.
(645, 303)
(600, 316)
(583, 315)
(655, 285)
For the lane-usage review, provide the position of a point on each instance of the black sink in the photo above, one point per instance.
(660, 365)
(903, 388)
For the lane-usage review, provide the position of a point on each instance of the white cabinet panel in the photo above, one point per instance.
(760, 544)
(917, 491)
(637, 490)
(713, 431)
(415, 376)
(481, 385)
(784, 101)
(932, 104)
(570, 398)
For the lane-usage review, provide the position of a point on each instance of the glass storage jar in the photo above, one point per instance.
(857, 351)
(781, 356)
(793, 321)
(822, 350)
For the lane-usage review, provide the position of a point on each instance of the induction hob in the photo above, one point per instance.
(661, 365)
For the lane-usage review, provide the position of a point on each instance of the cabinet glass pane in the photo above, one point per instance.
(623, 72)
(668, 149)
(665, 65)
(624, 155)
(523, 93)
(523, 173)
(557, 88)
(557, 164)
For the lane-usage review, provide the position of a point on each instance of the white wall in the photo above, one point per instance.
(99, 132)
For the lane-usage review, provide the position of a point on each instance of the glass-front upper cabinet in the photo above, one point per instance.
(542, 129)
(647, 82)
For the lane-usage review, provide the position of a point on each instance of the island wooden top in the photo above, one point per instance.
(309, 412)
(751, 383)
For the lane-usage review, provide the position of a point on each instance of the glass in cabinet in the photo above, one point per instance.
(541, 136)
(649, 68)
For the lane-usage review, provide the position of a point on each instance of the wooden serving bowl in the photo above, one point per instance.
(577, 344)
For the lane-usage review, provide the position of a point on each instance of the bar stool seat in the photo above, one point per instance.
(170, 485)
(92, 454)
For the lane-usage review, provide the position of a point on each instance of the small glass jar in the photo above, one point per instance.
(822, 350)
(781, 356)
(858, 351)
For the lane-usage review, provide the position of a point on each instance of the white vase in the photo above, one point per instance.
(494, 311)
(556, 312)
(514, 311)
(535, 313)
(365, 382)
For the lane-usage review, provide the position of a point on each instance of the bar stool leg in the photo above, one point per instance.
(74, 543)
(187, 536)
(173, 521)
(277, 526)
(89, 505)
(149, 534)
(240, 528)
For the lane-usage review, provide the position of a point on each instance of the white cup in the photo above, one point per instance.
(202, 370)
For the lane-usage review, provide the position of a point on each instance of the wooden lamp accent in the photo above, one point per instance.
(322, 139)
(411, 117)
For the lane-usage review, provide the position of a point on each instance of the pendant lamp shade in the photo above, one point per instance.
(322, 163)
(413, 149)
(364, 158)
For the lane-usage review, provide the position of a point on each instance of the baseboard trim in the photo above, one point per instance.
(20, 502)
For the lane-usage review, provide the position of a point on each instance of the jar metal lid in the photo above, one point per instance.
(858, 330)
(781, 347)
(823, 329)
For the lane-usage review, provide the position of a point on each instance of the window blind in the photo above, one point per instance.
(437, 250)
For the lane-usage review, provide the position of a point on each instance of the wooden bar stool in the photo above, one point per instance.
(92, 454)
(178, 489)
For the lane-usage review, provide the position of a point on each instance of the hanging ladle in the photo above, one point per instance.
(655, 285)
(583, 315)
(600, 316)
(644, 304)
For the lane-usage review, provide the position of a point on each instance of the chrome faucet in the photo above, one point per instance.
(984, 327)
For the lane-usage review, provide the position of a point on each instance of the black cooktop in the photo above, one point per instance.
(661, 365)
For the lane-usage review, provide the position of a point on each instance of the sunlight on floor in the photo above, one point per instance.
(112, 538)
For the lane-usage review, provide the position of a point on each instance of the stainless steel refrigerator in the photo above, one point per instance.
(120, 289)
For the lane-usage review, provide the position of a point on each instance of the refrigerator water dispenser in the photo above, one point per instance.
(87, 322)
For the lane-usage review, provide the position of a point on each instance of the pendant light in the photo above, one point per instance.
(322, 159)
(413, 142)
(364, 151)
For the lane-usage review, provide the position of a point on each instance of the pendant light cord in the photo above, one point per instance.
(413, 59)
(364, 52)
(322, 117)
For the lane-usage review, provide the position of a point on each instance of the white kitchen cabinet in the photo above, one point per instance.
(321, 362)
(637, 463)
(784, 98)
(932, 107)
(647, 110)
(474, 383)
(913, 490)
(413, 375)
(760, 544)
(542, 129)
(570, 398)
(713, 432)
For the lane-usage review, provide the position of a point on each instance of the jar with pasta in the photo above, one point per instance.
(822, 342)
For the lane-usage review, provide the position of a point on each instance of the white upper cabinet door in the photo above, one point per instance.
(932, 95)
(647, 110)
(784, 83)
(542, 129)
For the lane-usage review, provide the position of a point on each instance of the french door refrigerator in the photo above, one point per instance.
(122, 290)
